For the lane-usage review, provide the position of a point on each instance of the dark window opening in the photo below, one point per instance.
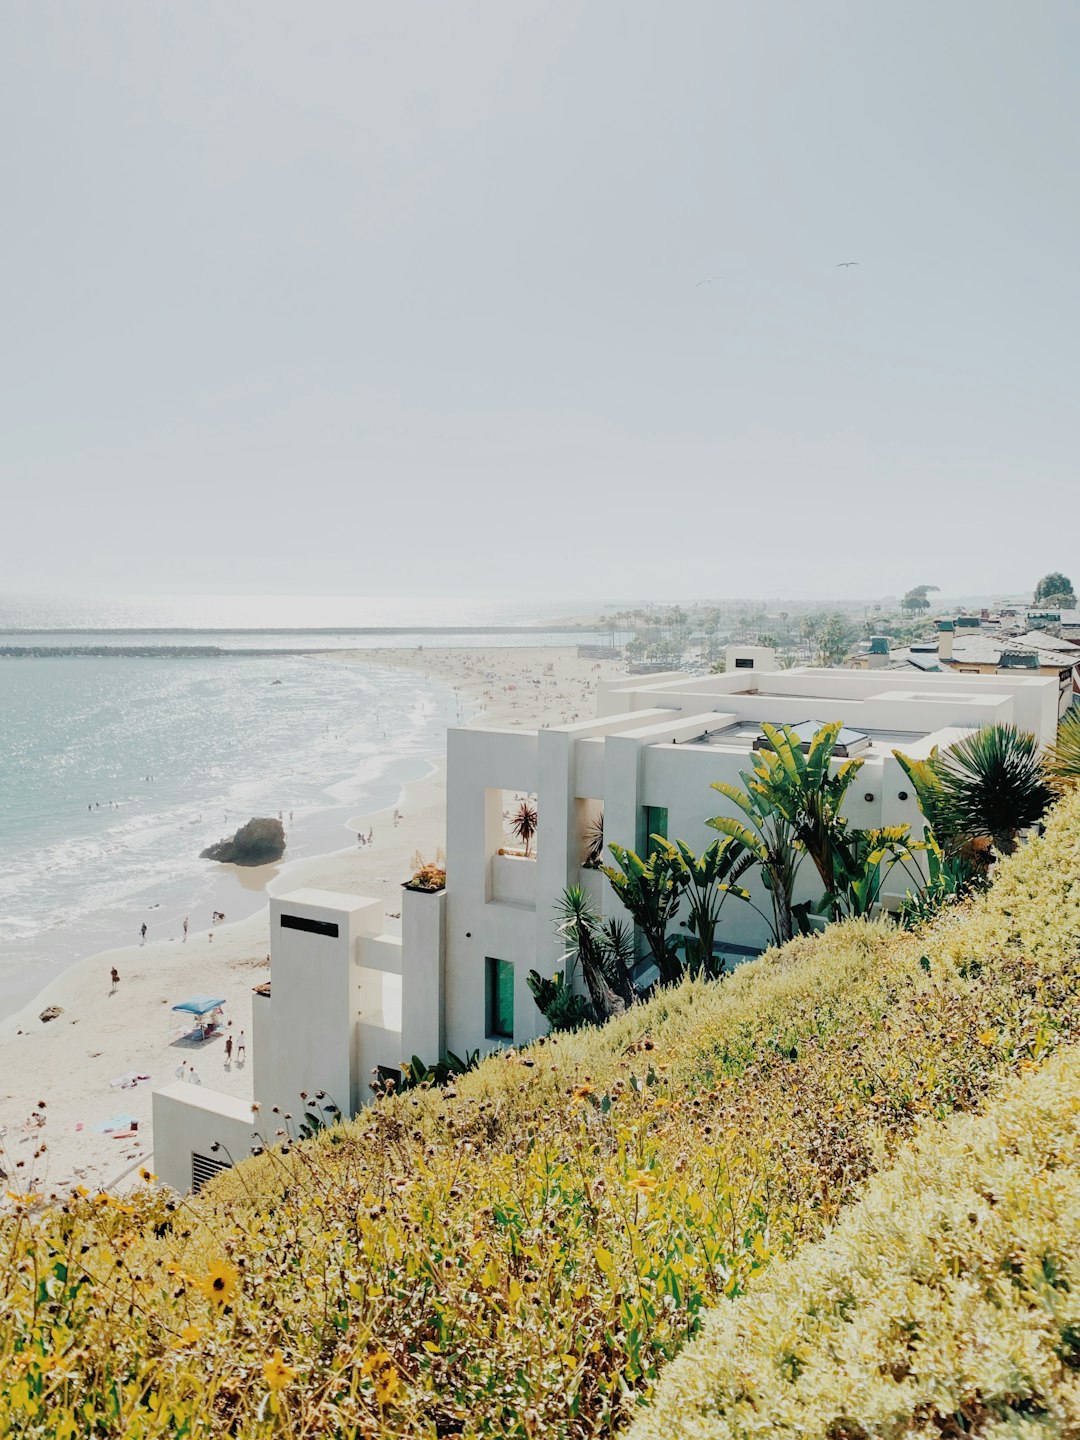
(654, 821)
(313, 927)
(204, 1168)
(387, 1075)
(500, 998)
(743, 663)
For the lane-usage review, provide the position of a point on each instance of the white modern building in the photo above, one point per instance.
(347, 999)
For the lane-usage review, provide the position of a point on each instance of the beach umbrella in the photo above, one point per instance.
(199, 1005)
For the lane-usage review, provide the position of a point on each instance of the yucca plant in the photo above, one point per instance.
(602, 949)
(993, 785)
(1063, 758)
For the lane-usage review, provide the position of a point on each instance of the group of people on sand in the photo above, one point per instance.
(362, 839)
(217, 917)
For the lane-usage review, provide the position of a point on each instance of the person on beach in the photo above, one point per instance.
(228, 1051)
(115, 977)
(185, 926)
(142, 932)
(241, 1046)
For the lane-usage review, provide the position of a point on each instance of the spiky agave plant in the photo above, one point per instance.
(1063, 757)
(602, 949)
(992, 784)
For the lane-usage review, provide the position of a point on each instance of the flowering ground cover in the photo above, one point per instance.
(946, 1301)
(521, 1254)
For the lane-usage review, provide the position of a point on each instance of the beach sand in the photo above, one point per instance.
(105, 1032)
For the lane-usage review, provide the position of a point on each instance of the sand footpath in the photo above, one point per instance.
(105, 1032)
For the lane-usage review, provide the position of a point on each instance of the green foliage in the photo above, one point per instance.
(947, 1302)
(1054, 587)
(992, 785)
(416, 1073)
(707, 880)
(1062, 761)
(602, 950)
(794, 801)
(556, 1000)
(651, 890)
(917, 599)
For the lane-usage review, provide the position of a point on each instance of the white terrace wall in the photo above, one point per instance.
(189, 1121)
(1034, 702)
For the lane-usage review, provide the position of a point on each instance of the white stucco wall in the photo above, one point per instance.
(189, 1119)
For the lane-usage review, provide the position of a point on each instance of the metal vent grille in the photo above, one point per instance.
(204, 1168)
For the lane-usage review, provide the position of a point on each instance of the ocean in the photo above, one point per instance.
(127, 746)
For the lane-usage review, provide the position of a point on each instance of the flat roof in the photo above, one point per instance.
(742, 735)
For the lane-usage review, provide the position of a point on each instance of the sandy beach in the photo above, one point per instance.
(105, 1032)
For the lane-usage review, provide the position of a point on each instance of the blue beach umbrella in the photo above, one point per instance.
(199, 1005)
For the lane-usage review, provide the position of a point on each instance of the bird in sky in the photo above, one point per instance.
(843, 264)
(707, 281)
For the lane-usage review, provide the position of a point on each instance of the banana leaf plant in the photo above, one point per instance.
(769, 840)
(709, 878)
(651, 890)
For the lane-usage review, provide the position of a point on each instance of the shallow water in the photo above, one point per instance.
(116, 772)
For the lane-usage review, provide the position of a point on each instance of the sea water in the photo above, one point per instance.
(116, 772)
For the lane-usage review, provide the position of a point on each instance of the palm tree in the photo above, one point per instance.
(1063, 758)
(992, 785)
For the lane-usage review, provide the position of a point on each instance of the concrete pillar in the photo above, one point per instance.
(316, 995)
(423, 941)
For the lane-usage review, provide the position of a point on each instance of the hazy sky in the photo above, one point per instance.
(383, 297)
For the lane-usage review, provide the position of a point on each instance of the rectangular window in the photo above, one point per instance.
(743, 662)
(313, 927)
(500, 998)
(654, 821)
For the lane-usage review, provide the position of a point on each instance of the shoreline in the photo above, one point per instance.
(131, 1027)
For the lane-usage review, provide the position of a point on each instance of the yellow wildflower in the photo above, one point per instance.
(643, 1182)
(221, 1283)
(189, 1334)
(276, 1373)
(387, 1382)
(580, 1092)
(147, 1175)
(986, 1037)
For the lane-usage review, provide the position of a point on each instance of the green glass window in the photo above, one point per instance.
(500, 998)
(653, 822)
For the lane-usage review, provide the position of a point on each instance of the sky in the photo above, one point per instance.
(402, 297)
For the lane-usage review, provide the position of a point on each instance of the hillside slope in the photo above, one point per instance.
(947, 1301)
(522, 1255)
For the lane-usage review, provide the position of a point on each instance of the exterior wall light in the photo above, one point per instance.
(869, 795)
(902, 795)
